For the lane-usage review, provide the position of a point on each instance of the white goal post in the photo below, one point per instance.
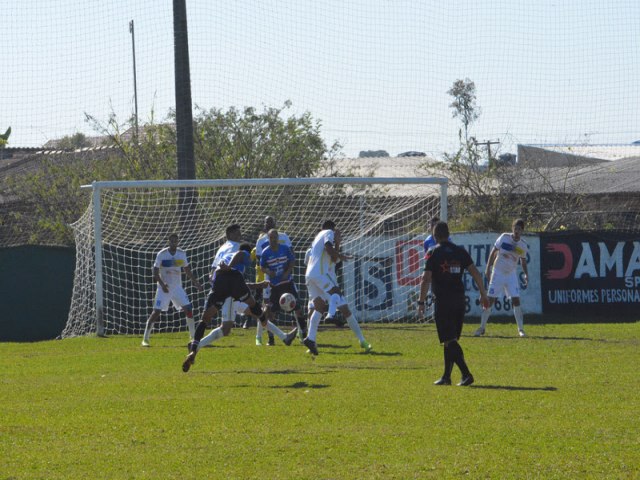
(383, 223)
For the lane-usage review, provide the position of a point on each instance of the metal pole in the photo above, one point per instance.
(97, 233)
(135, 81)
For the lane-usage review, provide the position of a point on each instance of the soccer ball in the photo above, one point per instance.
(287, 302)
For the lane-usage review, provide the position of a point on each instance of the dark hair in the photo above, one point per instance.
(441, 231)
(246, 246)
(328, 225)
(434, 220)
(232, 228)
(518, 222)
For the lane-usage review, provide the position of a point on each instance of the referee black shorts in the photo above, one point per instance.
(449, 316)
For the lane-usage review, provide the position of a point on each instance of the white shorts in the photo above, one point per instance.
(231, 308)
(319, 286)
(503, 283)
(175, 295)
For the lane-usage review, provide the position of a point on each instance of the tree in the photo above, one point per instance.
(489, 197)
(4, 138)
(74, 142)
(464, 103)
(228, 144)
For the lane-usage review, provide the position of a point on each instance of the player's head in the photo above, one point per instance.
(432, 222)
(234, 233)
(173, 241)
(269, 223)
(274, 238)
(328, 225)
(441, 232)
(517, 227)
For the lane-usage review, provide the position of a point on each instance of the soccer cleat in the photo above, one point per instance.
(479, 332)
(466, 381)
(190, 360)
(366, 346)
(290, 336)
(272, 341)
(145, 343)
(443, 381)
(258, 341)
(311, 345)
(521, 333)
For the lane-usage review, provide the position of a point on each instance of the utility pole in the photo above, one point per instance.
(184, 114)
(488, 144)
(135, 81)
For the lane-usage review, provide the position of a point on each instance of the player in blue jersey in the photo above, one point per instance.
(261, 244)
(227, 280)
(277, 262)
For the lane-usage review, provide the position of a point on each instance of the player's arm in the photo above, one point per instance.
(159, 281)
(425, 285)
(238, 257)
(477, 277)
(192, 277)
(492, 258)
(525, 269)
(333, 252)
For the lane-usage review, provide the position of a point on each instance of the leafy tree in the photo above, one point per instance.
(489, 197)
(76, 141)
(228, 144)
(4, 138)
(464, 103)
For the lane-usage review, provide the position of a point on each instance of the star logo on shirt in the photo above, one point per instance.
(445, 267)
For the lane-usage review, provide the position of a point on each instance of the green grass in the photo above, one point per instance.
(563, 403)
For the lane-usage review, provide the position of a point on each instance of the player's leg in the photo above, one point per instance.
(160, 304)
(181, 301)
(512, 290)
(227, 313)
(496, 285)
(349, 316)
(155, 314)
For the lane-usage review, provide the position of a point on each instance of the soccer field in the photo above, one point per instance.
(562, 403)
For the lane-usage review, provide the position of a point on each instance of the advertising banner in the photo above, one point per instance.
(389, 282)
(598, 272)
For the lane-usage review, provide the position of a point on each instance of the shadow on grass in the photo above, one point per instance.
(544, 337)
(301, 385)
(511, 387)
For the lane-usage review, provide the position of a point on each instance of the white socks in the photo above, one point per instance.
(314, 321)
(275, 330)
(355, 326)
(333, 304)
(485, 317)
(214, 335)
(191, 325)
(517, 312)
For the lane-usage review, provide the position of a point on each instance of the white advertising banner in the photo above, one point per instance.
(389, 283)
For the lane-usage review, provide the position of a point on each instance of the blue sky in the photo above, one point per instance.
(375, 72)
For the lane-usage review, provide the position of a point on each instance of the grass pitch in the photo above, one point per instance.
(562, 403)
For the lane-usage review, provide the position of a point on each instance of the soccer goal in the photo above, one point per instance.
(383, 223)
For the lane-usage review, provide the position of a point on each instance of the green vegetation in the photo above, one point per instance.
(562, 403)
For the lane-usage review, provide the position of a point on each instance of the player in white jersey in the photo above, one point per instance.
(167, 272)
(321, 285)
(509, 250)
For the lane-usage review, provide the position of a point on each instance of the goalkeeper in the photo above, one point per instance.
(167, 273)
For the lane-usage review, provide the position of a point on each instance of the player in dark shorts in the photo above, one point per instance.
(227, 281)
(277, 261)
(443, 272)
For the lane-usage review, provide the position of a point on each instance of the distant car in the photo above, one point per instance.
(412, 154)
(637, 142)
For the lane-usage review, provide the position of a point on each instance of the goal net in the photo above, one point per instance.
(383, 223)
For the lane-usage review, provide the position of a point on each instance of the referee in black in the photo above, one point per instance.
(445, 266)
